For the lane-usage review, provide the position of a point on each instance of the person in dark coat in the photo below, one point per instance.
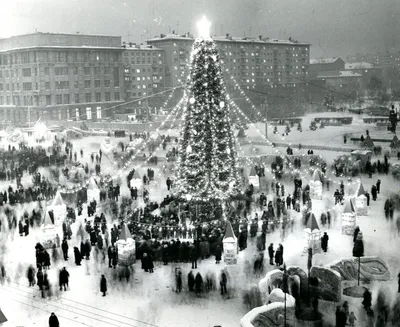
(78, 257)
(271, 254)
(374, 192)
(31, 275)
(110, 255)
(64, 279)
(165, 254)
(378, 186)
(103, 285)
(191, 281)
(20, 228)
(53, 320)
(39, 277)
(368, 197)
(367, 300)
(26, 228)
(194, 257)
(278, 257)
(324, 242)
(218, 254)
(198, 283)
(398, 289)
(114, 257)
(223, 283)
(179, 282)
(64, 248)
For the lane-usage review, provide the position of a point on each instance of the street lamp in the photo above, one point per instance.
(285, 290)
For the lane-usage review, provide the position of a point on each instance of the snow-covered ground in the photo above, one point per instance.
(150, 300)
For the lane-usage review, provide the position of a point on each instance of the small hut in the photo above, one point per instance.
(93, 191)
(316, 185)
(230, 246)
(126, 247)
(313, 235)
(253, 178)
(368, 143)
(361, 201)
(348, 218)
(59, 209)
(395, 145)
(49, 233)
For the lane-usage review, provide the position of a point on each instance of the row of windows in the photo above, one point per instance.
(59, 57)
(88, 97)
(143, 54)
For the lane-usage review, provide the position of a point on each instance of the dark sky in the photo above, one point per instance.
(333, 27)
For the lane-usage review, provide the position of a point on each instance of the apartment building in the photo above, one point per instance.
(143, 77)
(60, 76)
(253, 62)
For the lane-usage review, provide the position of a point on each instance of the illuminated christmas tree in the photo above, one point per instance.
(207, 151)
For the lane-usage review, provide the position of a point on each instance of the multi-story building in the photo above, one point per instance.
(345, 82)
(60, 76)
(321, 65)
(366, 69)
(384, 59)
(251, 61)
(144, 77)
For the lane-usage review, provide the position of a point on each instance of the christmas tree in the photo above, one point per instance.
(207, 152)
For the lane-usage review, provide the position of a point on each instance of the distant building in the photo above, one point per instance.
(366, 69)
(144, 76)
(344, 82)
(60, 76)
(321, 65)
(252, 62)
(384, 59)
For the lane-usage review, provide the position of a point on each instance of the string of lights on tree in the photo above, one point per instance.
(207, 166)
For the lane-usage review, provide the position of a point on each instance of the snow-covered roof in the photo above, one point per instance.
(58, 200)
(359, 65)
(312, 222)
(395, 143)
(125, 233)
(349, 207)
(339, 74)
(316, 177)
(368, 143)
(324, 60)
(361, 190)
(229, 232)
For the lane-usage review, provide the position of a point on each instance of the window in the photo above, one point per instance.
(138, 71)
(76, 84)
(75, 70)
(97, 70)
(116, 76)
(58, 71)
(98, 97)
(47, 85)
(108, 96)
(88, 113)
(26, 72)
(97, 83)
(59, 99)
(98, 112)
(46, 71)
(117, 96)
(106, 83)
(48, 100)
(126, 70)
(87, 84)
(27, 86)
(88, 97)
(77, 113)
(107, 70)
(76, 97)
(86, 70)
(66, 99)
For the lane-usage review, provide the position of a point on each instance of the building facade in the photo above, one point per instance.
(321, 65)
(144, 76)
(384, 59)
(343, 82)
(253, 62)
(366, 69)
(60, 76)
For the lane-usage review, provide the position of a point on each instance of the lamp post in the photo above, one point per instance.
(265, 104)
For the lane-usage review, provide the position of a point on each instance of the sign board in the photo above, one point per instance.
(230, 257)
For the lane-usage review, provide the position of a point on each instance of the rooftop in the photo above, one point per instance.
(134, 47)
(338, 74)
(359, 65)
(57, 34)
(324, 60)
(227, 38)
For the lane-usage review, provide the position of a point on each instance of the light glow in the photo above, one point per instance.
(203, 26)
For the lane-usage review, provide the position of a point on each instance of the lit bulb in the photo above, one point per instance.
(203, 26)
